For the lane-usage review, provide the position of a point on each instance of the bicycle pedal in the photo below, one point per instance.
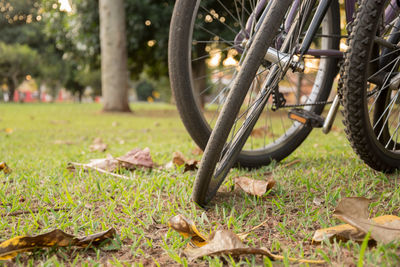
(306, 117)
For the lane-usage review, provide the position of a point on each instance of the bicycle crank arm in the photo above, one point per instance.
(330, 118)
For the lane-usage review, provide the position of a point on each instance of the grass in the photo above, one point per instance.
(139, 208)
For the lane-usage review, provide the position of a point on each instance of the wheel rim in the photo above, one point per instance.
(273, 131)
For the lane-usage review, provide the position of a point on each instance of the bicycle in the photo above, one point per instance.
(270, 67)
(198, 121)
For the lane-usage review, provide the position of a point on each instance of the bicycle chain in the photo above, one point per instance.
(308, 104)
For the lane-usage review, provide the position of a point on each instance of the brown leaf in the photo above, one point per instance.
(3, 167)
(354, 211)
(137, 158)
(341, 232)
(56, 238)
(178, 159)
(108, 164)
(355, 206)
(221, 242)
(254, 187)
(98, 145)
(347, 232)
(226, 242)
(187, 229)
(134, 159)
(95, 239)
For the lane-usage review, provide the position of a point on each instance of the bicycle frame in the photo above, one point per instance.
(262, 8)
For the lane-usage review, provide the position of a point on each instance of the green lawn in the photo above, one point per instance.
(139, 208)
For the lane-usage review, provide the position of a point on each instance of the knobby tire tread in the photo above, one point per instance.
(355, 120)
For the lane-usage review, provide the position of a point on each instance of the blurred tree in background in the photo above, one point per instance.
(32, 52)
(67, 42)
(147, 26)
(17, 62)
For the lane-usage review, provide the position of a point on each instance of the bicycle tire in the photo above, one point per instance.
(189, 110)
(364, 108)
(262, 41)
(209, 178)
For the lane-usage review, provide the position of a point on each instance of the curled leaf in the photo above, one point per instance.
(56, 238)
(3, 167)
(347, 232)
(354, 211)
(187, 229)
(226, 242)
(341, 232)
(254, 187)
(178, 159)
(108, 164)
(136, 158)
(221, 242)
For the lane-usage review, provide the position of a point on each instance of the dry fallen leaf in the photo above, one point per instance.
(354, 211)
(56, 238)
(178, 159)
(221, 242)
(226, 242)
(3, 167)
(347, 232)
(98, 145)
(108, 164)
(132, 160)
(137, 158)
(254, 187)
(187, 228)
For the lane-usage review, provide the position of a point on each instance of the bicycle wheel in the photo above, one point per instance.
(371, 86)
(250, 103)
(206, 49)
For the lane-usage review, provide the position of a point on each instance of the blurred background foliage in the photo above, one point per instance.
(59, 45)
(65, 47)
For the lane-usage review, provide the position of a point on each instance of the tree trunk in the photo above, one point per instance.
(12, 86)
(199, 74)
(114, 72)
(11, 91)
